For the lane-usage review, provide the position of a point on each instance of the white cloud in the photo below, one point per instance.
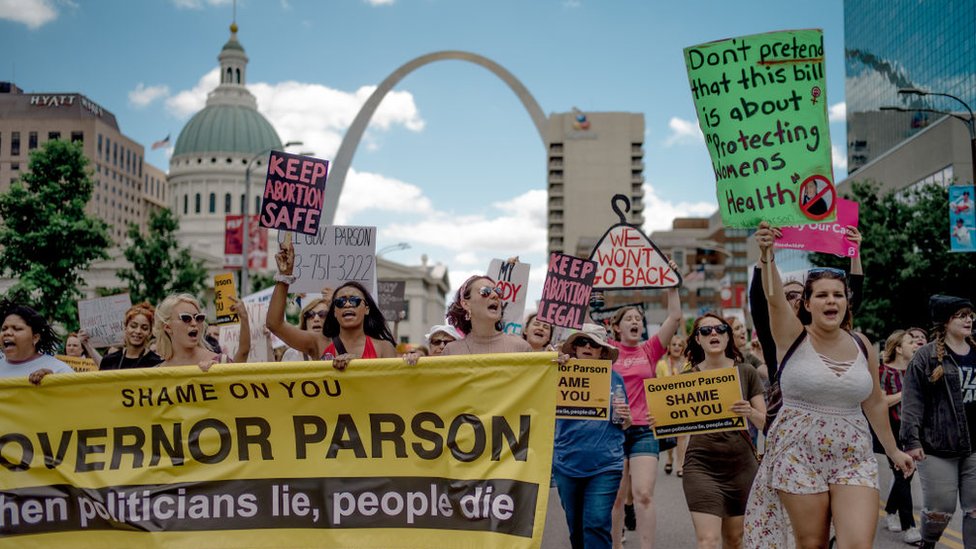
(660, 213)
(143, 96)
(837, 112)
(520, 227)
(199, 4)
(467, 258)
(312, 113)
(33, 13)
(380, 2)
(683, 131)
(838, 157)
(377, 192)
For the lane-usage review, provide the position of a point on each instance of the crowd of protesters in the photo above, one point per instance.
(834, 395)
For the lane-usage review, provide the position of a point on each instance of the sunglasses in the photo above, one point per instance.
(347, 301)
(587, 342)
(707, 330)
(312, 314)
(486, 291)
(820, 272)
(439, 342)
(188, 318)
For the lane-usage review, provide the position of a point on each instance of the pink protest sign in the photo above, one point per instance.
(830, 238)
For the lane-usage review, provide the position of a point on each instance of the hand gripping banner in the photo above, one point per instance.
(453, 452)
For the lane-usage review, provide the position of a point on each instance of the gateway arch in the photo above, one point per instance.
(350, 141)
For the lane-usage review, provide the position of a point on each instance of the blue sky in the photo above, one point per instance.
(452, 164)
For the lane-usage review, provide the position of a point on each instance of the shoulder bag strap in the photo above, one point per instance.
(789, 353)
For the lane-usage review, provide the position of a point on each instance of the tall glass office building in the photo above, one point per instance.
(894, 44)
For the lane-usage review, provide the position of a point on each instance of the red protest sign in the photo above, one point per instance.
(818, 197)
(294, 192)
(234, 240)
(566, 292)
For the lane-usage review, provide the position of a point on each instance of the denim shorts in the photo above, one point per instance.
(639, 441)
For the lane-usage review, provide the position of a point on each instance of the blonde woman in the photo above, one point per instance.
(179, 328)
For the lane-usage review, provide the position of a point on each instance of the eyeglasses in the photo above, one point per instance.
(793, 295)
(188, 318)
(312, 314)
(439, 342)
(707, 330)
(819, 272)
(486, 291)
(585, 341)
(346, 301)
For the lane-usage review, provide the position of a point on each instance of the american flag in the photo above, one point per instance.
(161, 143)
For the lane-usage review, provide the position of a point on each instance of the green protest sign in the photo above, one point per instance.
(762, 106)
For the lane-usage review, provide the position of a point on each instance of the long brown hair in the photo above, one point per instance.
(694, 350)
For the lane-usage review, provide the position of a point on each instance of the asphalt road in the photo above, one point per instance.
(675, 530)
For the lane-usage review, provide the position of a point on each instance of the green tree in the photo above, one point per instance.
(905, 255)
(46, 238)
(160, 267)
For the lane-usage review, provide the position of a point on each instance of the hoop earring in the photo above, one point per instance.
(467, 315)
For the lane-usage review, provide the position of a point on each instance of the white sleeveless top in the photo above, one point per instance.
(812, 381)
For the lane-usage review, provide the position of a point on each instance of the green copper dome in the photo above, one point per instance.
(227, 129)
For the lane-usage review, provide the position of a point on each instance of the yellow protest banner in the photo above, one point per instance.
(696, 403)
(78, 364)
(224, 294)
(584, 390)
(454, 452)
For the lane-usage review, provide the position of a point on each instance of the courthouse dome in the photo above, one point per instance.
(227, 128)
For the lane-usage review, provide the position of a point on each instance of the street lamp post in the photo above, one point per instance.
(969, 122)
(246, 230)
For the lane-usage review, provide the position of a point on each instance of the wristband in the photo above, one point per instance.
(285, 279)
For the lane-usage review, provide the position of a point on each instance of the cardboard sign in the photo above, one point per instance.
(263, 296)
(224, 293)
(628, 260)
(829, 238)
(695, 403)
(78, 363)
(334, 256)
(103, 319)
(584, 390)
(257, 249)
(392, 303)
(762, 106)
(962, 219)
(513, 279)
(566, 292)
(230, 334)
(294, 192)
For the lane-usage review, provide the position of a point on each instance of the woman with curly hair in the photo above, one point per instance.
(938, 418)
(28, 343)
(719, 467)
(135, 351)
(477, 313)
(179, 328)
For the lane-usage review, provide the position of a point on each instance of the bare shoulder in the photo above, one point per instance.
(384, 349)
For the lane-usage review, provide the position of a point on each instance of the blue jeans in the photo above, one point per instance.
(587, 502)
(943, 481)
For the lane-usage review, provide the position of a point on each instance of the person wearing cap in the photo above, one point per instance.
(439, 336)
(938, 418)
(588, 455)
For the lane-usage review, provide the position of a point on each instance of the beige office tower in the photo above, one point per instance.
(126, 189)
(592, 157)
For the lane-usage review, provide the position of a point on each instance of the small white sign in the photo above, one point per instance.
(332, 257)
(513, 280)
(104, 318)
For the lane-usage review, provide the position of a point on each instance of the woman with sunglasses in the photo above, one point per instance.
(636, 362)
(311, 320)
(353, 326)
(819, 467)
(179, 329)
(537, 333)
(135, 351)
(719, 467)
(588, 456)
(938, 418)
(477, 313)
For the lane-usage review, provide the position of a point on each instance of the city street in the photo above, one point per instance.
(675, 530)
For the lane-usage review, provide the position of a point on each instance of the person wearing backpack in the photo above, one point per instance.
(938, 418)
(819, 467)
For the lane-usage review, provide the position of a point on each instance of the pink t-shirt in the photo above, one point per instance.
(636, 364)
